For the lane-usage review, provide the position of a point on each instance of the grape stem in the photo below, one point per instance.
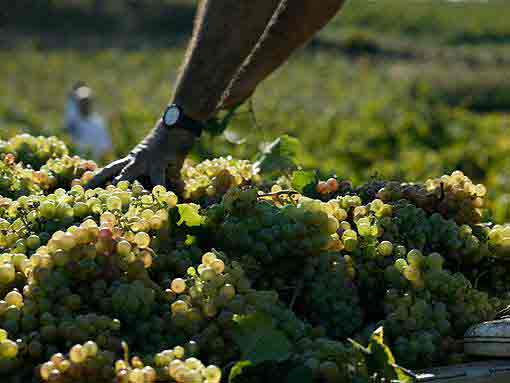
(279, 193)
(297, 291)
(482, 274)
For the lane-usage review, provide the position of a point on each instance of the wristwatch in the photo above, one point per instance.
(175, 116)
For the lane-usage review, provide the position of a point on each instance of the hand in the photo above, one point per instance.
(157, 159)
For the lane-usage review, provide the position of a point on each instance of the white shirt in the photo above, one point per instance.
(89, 133)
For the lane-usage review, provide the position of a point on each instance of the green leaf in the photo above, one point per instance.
(280, 155)
(237, 370)
(190, 214)
(302, 179)
(259, 341)
(300, 374)
(381, 359)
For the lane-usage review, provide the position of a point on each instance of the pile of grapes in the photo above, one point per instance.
(244, 279)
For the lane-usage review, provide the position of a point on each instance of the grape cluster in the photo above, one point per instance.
(84, 273)
(269, 239)
(212, 178)
(33, 151)
(453, 196)
(414, 228)
(331, 361)
(331, 301)
(15, 180)
(84, 362)
(424, 320)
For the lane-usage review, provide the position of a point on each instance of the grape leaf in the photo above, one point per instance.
(259, 341)
(381, 359)
(237, 370)
(279, 156)
(302, 179)
(190, 214)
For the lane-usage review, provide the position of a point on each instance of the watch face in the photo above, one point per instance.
(172, 115)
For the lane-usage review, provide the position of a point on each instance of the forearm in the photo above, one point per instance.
(295, 24)
(225, 33)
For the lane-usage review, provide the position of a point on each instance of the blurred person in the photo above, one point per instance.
(235, 45)
(71, 112)
(86, 127)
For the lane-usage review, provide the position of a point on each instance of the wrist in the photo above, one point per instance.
(175, 116)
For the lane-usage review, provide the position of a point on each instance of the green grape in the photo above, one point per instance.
(124, 248)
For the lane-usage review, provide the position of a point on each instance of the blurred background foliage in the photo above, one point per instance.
(391, 88)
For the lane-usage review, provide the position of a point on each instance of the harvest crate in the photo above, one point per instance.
(491, 371)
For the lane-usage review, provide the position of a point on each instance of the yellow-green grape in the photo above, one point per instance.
(147, 199)
(385, 248)
(179, 307)
(212, 374)
(8, 349)
(90, 348)
(19, 260)
(333, 225)
(123, 185)
(193, 364)
(207, 274)
(67, 242)
(114, 203)
(218, 266)
(174, 366)
(146, 259)
(33, 242)
(45, 370)
(136, 376)
(178, 285)
(14, 298)
(158, 189)
(124, 248)
(155, 222)
(89, 223)
(228, 291)
(64, 365)
(149, 374)
(208, 258)
(57, 359)
(77, 354)
(147, 214)
(179, 352)
(142, 239)
(7, 273)
(191, 376)
(108, 219)
(350, 243)
(415, 257)
(171, 199)
(3, 335)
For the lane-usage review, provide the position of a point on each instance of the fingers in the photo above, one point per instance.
(129, 173)
(158, 176)
(107, 173)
